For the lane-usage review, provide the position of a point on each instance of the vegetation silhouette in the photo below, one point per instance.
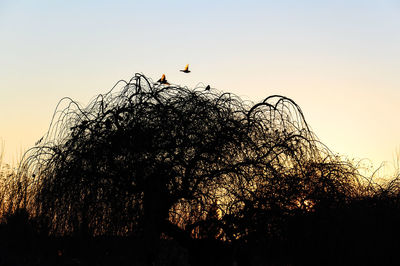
(183, 176)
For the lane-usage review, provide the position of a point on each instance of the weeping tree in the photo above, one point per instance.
(147, 159)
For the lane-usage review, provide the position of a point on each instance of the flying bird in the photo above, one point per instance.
(207, 88)
(163, 80)
(186, 70)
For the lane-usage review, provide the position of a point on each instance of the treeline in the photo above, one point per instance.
(161, 174)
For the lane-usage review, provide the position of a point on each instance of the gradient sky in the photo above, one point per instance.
(339, 60)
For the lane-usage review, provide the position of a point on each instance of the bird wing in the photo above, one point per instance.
(187, 67)
(163, 77)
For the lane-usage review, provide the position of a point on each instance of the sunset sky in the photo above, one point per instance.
(339, 60)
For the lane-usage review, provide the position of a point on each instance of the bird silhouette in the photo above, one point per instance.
(40, 140)
(207, 88)
(163, 80)
(186, 70)
(108, 124)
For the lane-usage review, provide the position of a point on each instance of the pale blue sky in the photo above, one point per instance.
(339, 60)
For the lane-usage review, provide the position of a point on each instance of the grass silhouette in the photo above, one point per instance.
(161, 174)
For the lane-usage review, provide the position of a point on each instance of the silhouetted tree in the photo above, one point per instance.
(161, 159)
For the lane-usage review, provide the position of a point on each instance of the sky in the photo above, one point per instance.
(339, 60)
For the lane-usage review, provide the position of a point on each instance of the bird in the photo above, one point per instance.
(40, 140)
(207, 88)
(108, 124)
(163, 80)
(186, 70)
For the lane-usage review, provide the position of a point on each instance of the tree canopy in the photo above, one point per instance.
(162, 159)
